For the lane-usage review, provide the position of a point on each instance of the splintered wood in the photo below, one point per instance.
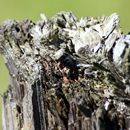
(66, 74)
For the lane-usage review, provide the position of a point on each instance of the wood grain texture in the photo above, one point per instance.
(66, 74)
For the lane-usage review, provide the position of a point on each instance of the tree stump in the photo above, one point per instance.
(66, 74)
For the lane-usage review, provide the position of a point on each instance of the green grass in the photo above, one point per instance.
(23, 9)
(16, 9)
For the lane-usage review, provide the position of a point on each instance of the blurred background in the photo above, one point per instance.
(30, 9)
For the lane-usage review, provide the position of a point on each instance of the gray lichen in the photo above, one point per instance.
(67, 74)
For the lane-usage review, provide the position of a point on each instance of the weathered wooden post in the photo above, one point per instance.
(66, 74)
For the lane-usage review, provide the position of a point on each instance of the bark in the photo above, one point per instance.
(66, 74)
